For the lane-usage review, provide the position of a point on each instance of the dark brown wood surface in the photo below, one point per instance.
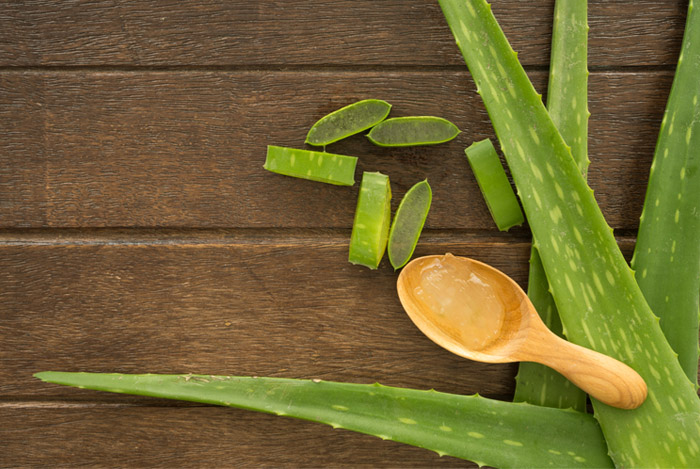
(139, 232)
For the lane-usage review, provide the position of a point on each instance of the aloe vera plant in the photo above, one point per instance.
(599, 301)
(497, 433)
(567, 103)
(667, 254)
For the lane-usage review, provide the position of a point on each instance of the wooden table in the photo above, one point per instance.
(139, 232)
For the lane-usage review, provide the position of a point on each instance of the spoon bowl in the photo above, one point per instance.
(478, 312)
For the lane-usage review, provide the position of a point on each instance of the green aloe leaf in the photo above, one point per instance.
(599, 301)
(496, 433)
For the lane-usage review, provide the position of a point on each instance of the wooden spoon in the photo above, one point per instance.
(479, 313)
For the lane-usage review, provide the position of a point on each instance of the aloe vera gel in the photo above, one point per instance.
(348, 121)
(408, 223)
(412, 131)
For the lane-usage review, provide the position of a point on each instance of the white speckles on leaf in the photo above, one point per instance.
(538, 201)
(538, 174)
(610, 277)
(534, 135)
(555, 214)
(598, 283)
(560, 191)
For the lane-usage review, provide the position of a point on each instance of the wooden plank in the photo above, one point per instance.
(133, 436)
(277, 309)
(321, 32)
(158, 149)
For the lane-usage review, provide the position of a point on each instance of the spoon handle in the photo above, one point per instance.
(606, 379)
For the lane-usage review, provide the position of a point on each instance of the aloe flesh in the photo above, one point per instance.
(408, 223)
(370, 228)
(567, 103)
(469, 427)
(599, 301)
(314, 165)
(666, 259)
(347, 121)
(412, 131)
(495, 187)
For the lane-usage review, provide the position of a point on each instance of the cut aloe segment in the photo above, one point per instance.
(314, 165)
(412, 131)
(348, 121)
(372, 217)
(494, 185)
(408, 223)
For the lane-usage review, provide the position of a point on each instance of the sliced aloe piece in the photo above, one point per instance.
(314, 165)
(348, 121)
(412, 131)
(372, 217)
(494, 185)
(408, 223)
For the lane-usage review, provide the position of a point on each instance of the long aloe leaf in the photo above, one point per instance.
(501, 434)
(667, 255)
(567, 103)
(599, 301)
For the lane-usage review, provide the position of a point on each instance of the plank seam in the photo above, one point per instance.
(313, 68)
(246, 236)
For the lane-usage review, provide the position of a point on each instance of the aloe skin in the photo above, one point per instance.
(370, 228)
(314, 165)
(667, 254)
(599, 302)
(495, 187)
(347, 121)
(470, 427)
(567, 103)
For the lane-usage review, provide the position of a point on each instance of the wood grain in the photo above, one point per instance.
(302, 32)
(243, 309)
(138, 231)
(156, 149)
(138, 436)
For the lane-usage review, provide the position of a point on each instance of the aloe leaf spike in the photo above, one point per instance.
(496, 433)
(599, 301)
(666, 258)
(567, 103)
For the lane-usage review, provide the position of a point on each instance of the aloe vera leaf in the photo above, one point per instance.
(599, 301)
(347, 121)
(493, 182)
(412, 131)
(314, 165)
(370, 229)
(502, 434)
(567, 103)
(666, 259)
(408, 223)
